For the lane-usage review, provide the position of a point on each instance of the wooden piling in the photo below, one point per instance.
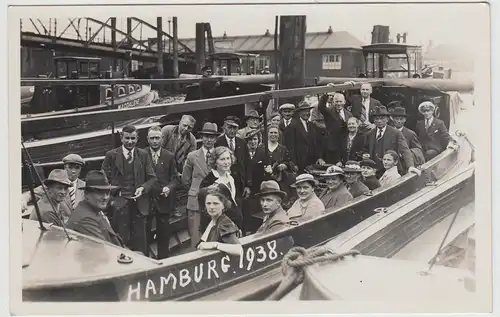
(129, 44)
(159, 38)
(113, 41)
(292, 54)
(200, 47)
(175, 55)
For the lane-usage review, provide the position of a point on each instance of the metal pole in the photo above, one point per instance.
(159, 38)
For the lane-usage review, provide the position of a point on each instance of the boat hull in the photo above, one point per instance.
(198, 274)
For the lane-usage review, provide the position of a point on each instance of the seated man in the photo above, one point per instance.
(88, 217)
(270, 200)
(432, 132)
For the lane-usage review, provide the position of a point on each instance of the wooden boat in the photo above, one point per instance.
(51, 98)
(393, 238)
(211, 275)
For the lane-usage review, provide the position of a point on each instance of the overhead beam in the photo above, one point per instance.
(164, 33)
(115, 29)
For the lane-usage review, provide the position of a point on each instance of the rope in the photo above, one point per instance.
(296, 260)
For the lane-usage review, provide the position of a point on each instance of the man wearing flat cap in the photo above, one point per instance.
(240, 171)
(88, 218)
(73, 164)
(52, 209)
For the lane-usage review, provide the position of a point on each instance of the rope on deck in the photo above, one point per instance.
(297, 260)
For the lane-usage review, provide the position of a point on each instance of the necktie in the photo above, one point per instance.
(103, 216)
(231, 144)
(155, 158)
(427, 124)
(379, 134)
(363, 111)
(129, 156)
(72, 195)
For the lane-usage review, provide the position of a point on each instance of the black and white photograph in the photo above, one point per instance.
(331, 156)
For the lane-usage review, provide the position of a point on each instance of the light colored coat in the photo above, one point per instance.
(172, 143)
(389, 177)
(194, 171)
(314, 208)
(336, 198)
(39, 193)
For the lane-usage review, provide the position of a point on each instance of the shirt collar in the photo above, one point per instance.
(228, 139)
(125, 150)
(383, 129)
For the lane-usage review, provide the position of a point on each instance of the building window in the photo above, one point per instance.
(263, 61)
(332, 61)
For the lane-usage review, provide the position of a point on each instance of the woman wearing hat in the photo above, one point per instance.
(432, 132)
(271, 198)
(352, 172)
(221, 233)
(88, 217)
(253, 139)
(51, 208)
(308, 205)
(220, 160)
(335, 195)
(391, 174)
(368, 171)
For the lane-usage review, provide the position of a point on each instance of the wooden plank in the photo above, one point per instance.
(117, 81)
(172, 108)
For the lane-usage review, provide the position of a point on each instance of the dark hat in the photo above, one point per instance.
(303, 106)
(252, 114)
(97, 180)
(206, 67)
(232, 120)
(73, 158)
(58, 176)
(394, 104)
(352, 167)
(368, 162)
(209, 128)
(381, 111)
(270, 187)
(399, 112)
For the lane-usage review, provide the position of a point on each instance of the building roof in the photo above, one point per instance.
(265, 42)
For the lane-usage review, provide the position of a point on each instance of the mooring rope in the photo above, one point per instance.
(296, 260)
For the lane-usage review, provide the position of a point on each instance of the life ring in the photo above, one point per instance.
(437, 112)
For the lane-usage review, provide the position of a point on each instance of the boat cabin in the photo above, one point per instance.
(227, 64)
(72, 67)
(390, 60)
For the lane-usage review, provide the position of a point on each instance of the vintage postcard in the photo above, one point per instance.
(238, 155)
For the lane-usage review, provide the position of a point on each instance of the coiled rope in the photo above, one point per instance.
(296, 260)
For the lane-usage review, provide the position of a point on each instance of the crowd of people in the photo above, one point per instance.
(236, 184)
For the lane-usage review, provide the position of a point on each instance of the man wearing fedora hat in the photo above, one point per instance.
(88, 217)
(302, 139)
(398, 116)
(432, 132)
(73, 164)
(131, 169)
(52, 210)
(240, 171)
(271, 198)
(194, 171)
(253, 121)
(384, 138)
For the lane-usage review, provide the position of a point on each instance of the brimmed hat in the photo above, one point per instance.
(209, 128)
(304, 178)
(394, 104)
(286, 106)
(206, 67)
(381, 111)
(369, 163)
(58, 176)
(270, 188)
(332, 171)
(425, 105)
(303, 106)
(97, 180)
(251, 133)
(352, 167)
(252, 114)
(232, 120)
(73, 158)
(399, 112)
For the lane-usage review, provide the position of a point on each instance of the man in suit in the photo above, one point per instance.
(88, 217)
(253, 121)
(432, 132)
(286, 111)
(194, 171)
(302, 139)
(73, 164)
(167, 180)
(336, 117)
(398, 116)
(384, 138)
(179, 140)
(131, 169)
(240, 171)
(363, 106)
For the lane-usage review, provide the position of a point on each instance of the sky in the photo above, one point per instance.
(455, 24)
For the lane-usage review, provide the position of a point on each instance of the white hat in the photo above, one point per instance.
(425, 105)
(287, 106)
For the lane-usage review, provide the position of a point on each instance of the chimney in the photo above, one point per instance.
(267, 33)
(404, 37)
(330, 31)
(398, 38)
(224, 36)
